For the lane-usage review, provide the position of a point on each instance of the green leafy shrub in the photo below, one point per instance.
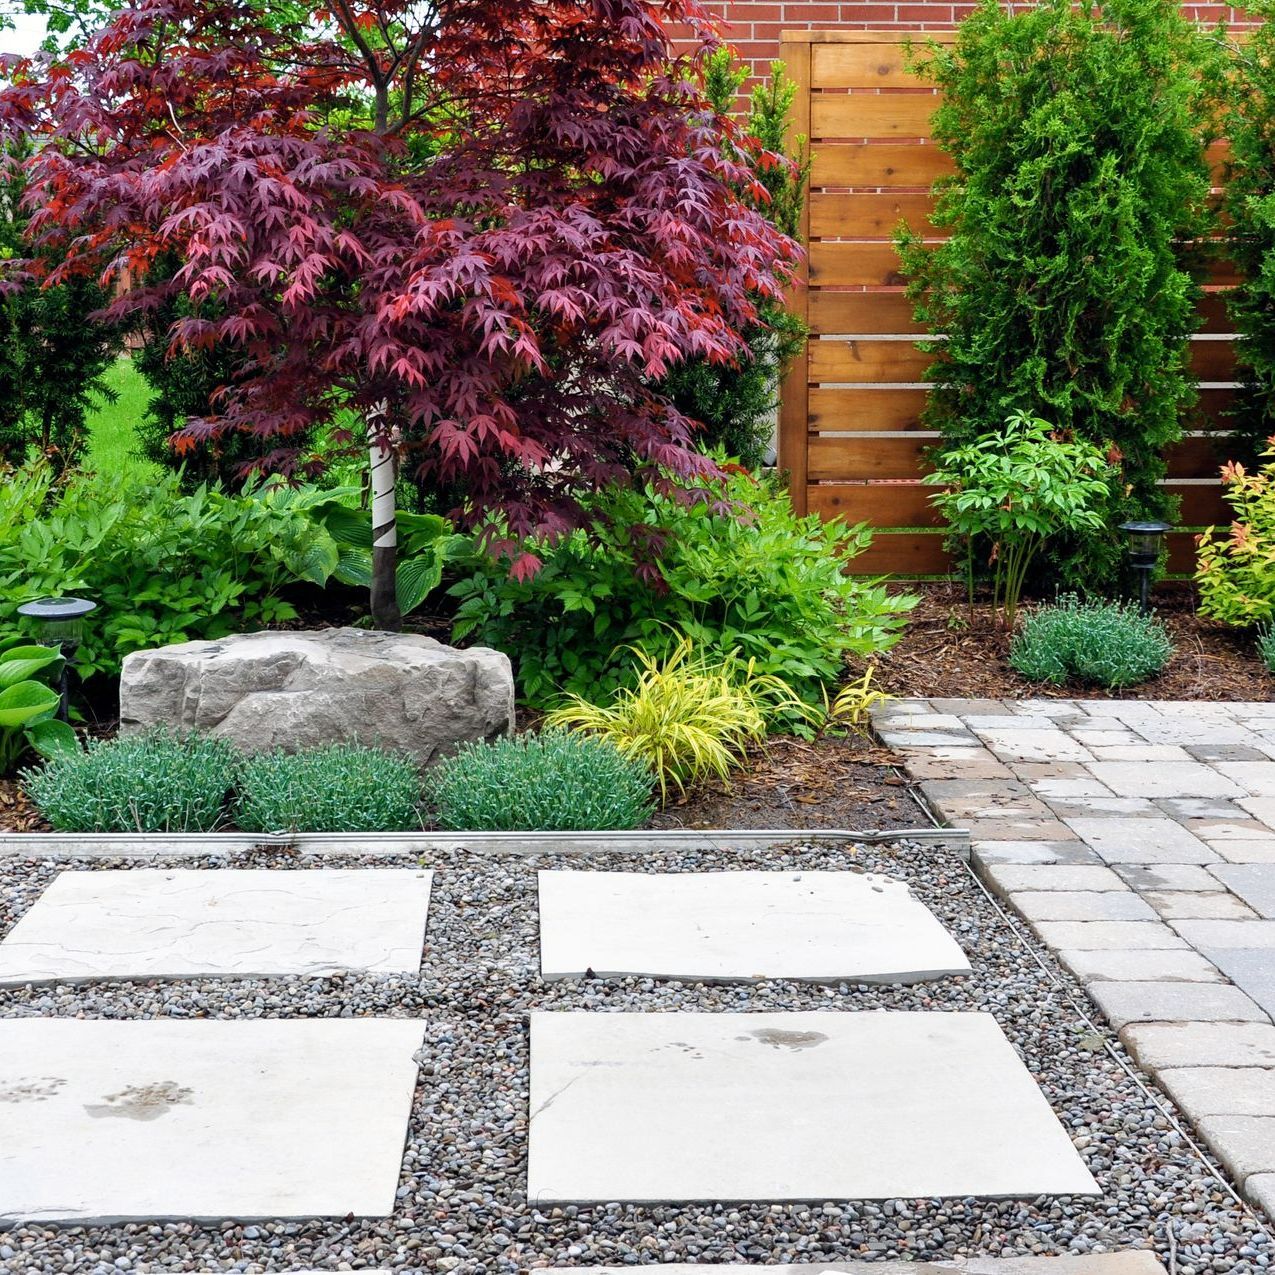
(168, 566)
(149, 782)
(739, 572)
(687, 716)
(29, 702)
(1079, 137)
(1009, 492)
(551, 782)
(334, 788)
(1107, 644)
(1235, 567)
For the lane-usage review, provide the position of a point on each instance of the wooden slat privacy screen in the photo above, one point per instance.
(849, 433)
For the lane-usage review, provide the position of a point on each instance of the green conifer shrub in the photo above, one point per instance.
(1081, 179)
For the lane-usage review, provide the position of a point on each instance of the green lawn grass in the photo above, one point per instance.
(112, 427)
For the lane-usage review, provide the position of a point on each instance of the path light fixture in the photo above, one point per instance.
(1144, 552)
(59, 622)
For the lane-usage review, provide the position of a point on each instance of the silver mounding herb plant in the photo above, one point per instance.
(155, 781)
(1110, 644)
(555, 781)
(333, 788)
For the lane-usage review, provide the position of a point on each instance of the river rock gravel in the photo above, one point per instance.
(461, 1204)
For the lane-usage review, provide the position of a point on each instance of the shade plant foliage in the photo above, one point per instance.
(486, 228)
(732, 568)
(1065, 290)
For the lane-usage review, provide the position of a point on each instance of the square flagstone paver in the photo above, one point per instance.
(1162, 877)
(1142, 840)
(1253, 882)
(1221, 1091)
(191, 923)
(1145, 966)
(1034, 744)
(1073, 852)
(1207, 935)
(1007, 877)
(1257, 778)
(1112, 936)
(1164, 779)
(1082, 905)
(1149, 1002)
(1260, 1188)
(817, 926)
(1255, 850)
(1202, 905)
(1160, 1045)
(1244, 1144)
(1134, 1262)
(203, 1120)
(787, 1106)
(1252, 969)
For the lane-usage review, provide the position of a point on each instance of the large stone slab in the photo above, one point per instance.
(1134, 1262)
(1160, 1045)
(815, 926)
(206, 1120)
(196, 923)
(1164, 778)
(1221, 1091)
(1139, 966)
(1252, 969)
(788, 1106)
(291, 690)
(1142, 840)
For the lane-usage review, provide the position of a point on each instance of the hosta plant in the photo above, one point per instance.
(1096, 643)
(551, 782)
(155, 781)
(688, 716)
(333, 788)
(29, 703)
(1235, 566)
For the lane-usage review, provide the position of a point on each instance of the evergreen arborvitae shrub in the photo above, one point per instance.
(1250, 201)
(1079, 142)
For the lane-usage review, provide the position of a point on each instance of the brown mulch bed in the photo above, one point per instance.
(948, 652)
(796, 783)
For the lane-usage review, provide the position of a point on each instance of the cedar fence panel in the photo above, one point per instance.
(849, 433)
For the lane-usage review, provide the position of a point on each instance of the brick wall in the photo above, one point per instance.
(753, 26)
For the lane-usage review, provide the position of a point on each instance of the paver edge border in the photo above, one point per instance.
(642, 841)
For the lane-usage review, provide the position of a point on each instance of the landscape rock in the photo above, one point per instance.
(293, 690)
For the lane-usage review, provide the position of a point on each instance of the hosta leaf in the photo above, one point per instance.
(314, 559)
(354, 566)
(417, 578)
(20, 663)
(25, 703)
(53, 738)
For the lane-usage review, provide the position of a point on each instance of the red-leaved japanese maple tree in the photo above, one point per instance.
(486, 227)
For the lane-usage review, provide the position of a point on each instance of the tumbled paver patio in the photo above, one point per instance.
(1137, 839)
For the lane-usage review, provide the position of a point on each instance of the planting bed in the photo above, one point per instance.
(947, 651)
(460, 1201)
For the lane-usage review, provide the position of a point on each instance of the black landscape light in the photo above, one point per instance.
(59, 622)
(1144, 552)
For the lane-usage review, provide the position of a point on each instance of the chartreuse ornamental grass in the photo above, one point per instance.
(1109, 644)
(333, 788)
(551, 782)
(688, 717)
(151, 782)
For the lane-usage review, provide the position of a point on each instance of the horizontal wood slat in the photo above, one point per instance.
(1213, 360)
(909, 504)
(867, 66)
(861, 312)
(877, 164)
(871, 115)
(903, 456)
(862, 408)
(867, 361)
(866, 215)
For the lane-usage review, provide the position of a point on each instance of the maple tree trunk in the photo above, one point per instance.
(385, 612)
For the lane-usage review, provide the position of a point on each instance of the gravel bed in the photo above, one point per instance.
(461, 1206)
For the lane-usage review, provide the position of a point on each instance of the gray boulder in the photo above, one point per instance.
(292, 690)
